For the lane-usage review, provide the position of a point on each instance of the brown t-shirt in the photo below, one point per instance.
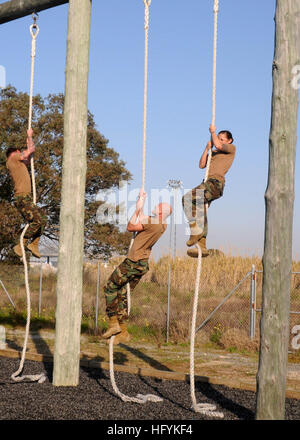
(19, 173)
(146, 239)
(221, 161)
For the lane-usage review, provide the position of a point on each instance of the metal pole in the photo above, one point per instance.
(174, 185)
(41, 285)
(97, 294)
(252, 302)
(168, 308)
(221, 303)
(171, 230)
(174, 217)
(11, 301)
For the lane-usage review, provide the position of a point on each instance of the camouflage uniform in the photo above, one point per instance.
(115, 290)
(31, 214)
(194, 201)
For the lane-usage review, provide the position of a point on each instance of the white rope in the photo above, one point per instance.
(204, 408)
(40, 378)
(147, 4)
(34, 30)
(148, 397)
(216, 10)
(139, 398)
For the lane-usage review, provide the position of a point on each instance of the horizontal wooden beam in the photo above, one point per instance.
(14, 9)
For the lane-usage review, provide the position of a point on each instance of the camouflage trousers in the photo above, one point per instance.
(32, 214)
(194, 202)
(115, 290)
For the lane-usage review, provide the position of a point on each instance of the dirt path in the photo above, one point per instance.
(167, 361)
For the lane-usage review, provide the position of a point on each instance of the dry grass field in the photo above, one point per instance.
(228, 328)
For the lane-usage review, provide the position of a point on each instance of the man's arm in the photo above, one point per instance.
(215, 140)
(135, 223)
(203, 159)
(25, 155)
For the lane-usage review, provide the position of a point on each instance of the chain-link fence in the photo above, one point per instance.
(229, 303)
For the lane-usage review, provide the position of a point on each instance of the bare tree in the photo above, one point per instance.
(279, 198)
(69, 282)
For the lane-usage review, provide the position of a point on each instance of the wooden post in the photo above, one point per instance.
(279, 198)
(70, 266)
(19, 8)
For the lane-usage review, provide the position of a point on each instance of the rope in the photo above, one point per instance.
(40, 378)
(148, 397)
(204, 408)
(216, 10)
(34, 30)
(147, 4)
(139, 398)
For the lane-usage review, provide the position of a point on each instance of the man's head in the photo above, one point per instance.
(225, 137)
(11, 150)
(162, 210)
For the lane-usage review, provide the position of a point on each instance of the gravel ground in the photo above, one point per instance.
(94, 399)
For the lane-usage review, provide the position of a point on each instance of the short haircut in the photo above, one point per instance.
(227, 133)
(11, 150)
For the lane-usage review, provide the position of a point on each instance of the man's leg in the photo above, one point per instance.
(195, 208)
(195, 211)
(36, 220)
(116, 294)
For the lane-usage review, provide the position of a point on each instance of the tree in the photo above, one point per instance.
(279, 198)
(104, 170)
(74, 167)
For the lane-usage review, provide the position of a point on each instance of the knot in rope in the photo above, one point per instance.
(216, 6)
(147, 4)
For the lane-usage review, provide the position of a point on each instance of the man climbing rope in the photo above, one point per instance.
(149, 229)
(195, 201)
(17, 162)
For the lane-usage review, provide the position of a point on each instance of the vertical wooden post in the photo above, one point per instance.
(279, 198)
(69, 281)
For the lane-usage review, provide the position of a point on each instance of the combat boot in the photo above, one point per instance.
(113, 327)
(34, 247)
(124, 336)
(17, 248)
(194, 252)
(195, 234)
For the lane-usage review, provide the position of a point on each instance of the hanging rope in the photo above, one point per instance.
(34, 30)
(147, 4)
(216, 10)
(140, 398)
(204, 408)
(148, 397)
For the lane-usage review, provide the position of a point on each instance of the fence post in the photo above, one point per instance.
(168, 307)
(253, 302)
(41, 287)
(97, 294)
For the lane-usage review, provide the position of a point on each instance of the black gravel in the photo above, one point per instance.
(94, 399)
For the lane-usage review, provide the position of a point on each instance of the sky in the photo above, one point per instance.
(179, 106)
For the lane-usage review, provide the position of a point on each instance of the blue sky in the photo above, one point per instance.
(179, 97)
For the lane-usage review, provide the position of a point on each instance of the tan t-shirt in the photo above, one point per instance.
(19, 173)
(145, 240)
(221, 161)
